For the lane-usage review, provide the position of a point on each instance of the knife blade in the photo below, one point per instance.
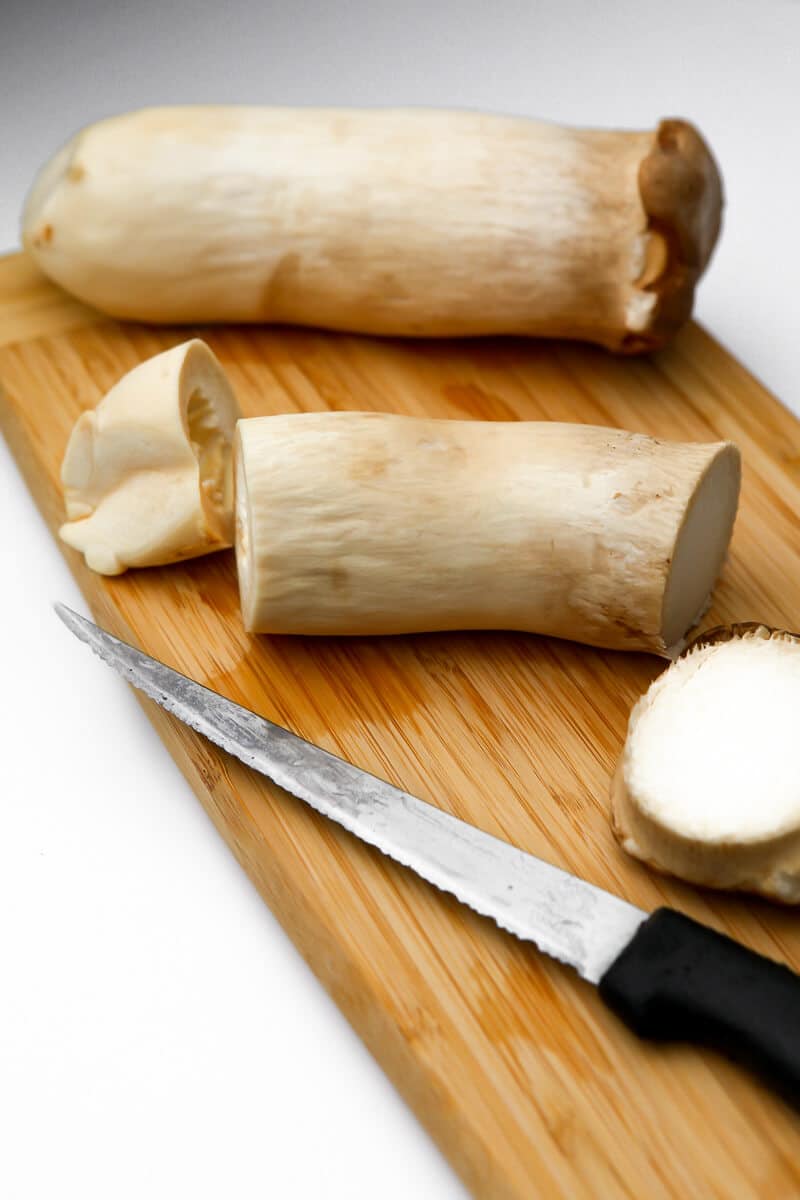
(666, 976)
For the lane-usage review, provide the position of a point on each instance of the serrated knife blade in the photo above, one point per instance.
(567, 918)
(665, 975)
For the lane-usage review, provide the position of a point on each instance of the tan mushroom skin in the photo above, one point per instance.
(371, 523)
(147, 474)
(387, 221)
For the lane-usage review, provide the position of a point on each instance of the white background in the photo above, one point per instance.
(159, 1035)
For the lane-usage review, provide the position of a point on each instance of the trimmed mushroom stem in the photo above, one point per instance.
(707, 787)
(147, 474)
(409, 222)
(366, 523)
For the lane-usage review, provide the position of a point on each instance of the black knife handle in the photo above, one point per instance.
(677, 980)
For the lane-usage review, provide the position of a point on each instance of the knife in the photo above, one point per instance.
(668, 977)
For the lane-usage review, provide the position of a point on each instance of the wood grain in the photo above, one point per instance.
(528, 1085)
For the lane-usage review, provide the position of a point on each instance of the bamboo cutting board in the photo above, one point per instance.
(511, 1062)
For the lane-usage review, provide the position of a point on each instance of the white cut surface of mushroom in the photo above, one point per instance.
(372, 523)
(147, 474)
(387, 221)
(707, 787)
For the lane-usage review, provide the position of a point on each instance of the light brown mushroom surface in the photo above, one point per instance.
(373, 523)
(386, 221)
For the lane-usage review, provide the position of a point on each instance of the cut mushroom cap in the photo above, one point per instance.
(147, 474)
(707, 786)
